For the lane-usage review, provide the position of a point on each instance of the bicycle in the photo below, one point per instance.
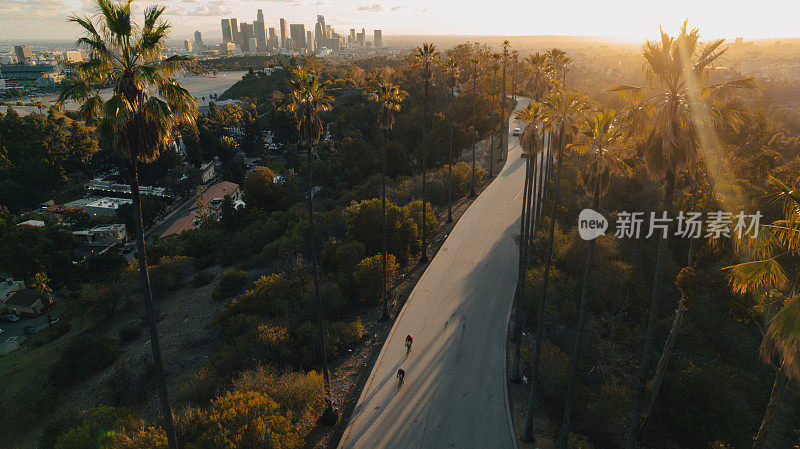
(401, 375)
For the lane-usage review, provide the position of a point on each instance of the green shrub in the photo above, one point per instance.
(169, 273)
(368, 278)
(57, 425)
(231, 283)
(84, 356)
(93, 430)
(128, 332)
(300, 393)
(202, 278)
(365, 224)
(268, 297)
(199, 387)
(123, 387)
(247, 419)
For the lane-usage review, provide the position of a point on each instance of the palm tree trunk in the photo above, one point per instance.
(778, 387)
(492, 126)
(669, 346)
(150, 315)
(330, 412)
(502, 122)
(424, 257)
(652, 322)
(474, 127)
(450, 161)
(528, 436)
(577, 344)
(385, 313)
(781, 433)
(523, 267)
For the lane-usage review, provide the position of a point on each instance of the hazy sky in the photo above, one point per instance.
(628, 19)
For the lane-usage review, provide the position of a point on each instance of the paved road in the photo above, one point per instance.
(454, 393)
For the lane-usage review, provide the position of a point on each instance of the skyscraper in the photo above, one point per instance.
(297, 31)
(310, 41)
(23, 53)
(198, 40)
(351, 42)
(227, 35)
(260, 31)
(362, 37)
(273, 39)
(187, 45)
(319, 35)
(283, 33)
(377, 38)
(245, 34)
(235, 32)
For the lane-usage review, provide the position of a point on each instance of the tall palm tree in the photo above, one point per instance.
(388, 96)
(138, 120)
(563, 112)
(502, 119)
(454, 72)
(307, 100)
(495, 67)
(426, 58)
(601, 140)
(768, 258)
(474, 62)
(515, 67)
(539, 75)
(559, 60)
(41, 283)
(676, 106)
(531, 143)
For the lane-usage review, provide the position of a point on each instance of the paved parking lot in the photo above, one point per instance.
(16, 329)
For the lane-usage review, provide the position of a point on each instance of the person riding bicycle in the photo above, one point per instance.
(409, 341)
(401, 374)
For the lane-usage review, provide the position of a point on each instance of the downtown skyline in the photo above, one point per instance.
(621, 19)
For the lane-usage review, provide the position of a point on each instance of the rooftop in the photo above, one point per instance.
(182, 224)
(23, 298)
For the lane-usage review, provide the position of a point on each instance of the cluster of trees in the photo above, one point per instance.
(619, 366)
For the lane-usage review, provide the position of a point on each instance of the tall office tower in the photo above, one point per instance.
(235, 37)
(319, 35)
(321, 22)
(310, 44)
(362, 38)
(273, 41)
(328, 31)
(283, 33)
(377, 38)
(252, 45)
(352, 39)
(245, 34)
(198, 40)
(297, 31)
(260, 31)
(23, 53)
(187, 45)
(227, 34)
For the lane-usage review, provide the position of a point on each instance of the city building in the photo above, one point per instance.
(227, 34)
(23, 53)
(273, 39)
(260, 31)
(245, 34)
(283, 32)
(103, 235)
(252, 45)
(182, 224)
(198, 40)
(297, 32)
(377, 38)
(212, 197)
(73, 56)
(235, 31)
(111, 189)
(8, 287)
(226, 48)
(106, 206)
(17, 75)
(187, 45)
(208, 171)
(352, 38)
(310, 41)
(362, 38)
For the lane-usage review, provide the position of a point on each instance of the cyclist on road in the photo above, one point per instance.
(401, 374)
(409, 341)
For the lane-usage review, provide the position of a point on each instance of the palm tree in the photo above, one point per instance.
(601, 140)
(308, 99)
(454, 72)
(388, 96)
(540, 75)
(515, 55)
(563, 111)
(495, 67)
(502, 119)
(426, 57)
(531, 143)
(138, 120)
(41, 283)
(559, 60)
(772, 253)
(474, 62)
(677, 103)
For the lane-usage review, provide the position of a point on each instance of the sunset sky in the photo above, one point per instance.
(626, 19)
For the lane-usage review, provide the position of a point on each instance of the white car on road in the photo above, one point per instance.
(516, 132)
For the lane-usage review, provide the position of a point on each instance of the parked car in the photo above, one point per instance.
(516, 132)
(10, 317)
(54, 320)
(29, 330)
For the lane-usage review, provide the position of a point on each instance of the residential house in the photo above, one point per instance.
(25, 302)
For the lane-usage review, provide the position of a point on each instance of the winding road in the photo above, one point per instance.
(454, 395)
